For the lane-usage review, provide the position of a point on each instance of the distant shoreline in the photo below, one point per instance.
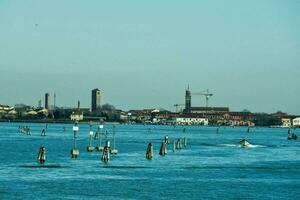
(51, 121)
(39, 121)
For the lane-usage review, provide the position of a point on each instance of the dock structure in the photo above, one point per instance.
(149, 152)
(42, 155)
(114, 151)
(74, 150)
(90, 147)
(100, 127)
(105, 152)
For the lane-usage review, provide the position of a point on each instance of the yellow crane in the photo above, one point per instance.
(207, 95)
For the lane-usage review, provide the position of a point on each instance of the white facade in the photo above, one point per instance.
(296, 121)
(191, 121)
(77, 116)
(6, 109)
(286, 122)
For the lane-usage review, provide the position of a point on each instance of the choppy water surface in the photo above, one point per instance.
(213, 166)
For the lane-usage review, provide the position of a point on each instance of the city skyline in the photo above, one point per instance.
(95, 103)
(144, 54)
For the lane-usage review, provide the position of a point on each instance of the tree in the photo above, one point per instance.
(108, 107)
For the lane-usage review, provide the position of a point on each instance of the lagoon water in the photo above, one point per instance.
(213, 166)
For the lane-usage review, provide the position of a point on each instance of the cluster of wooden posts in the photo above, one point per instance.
(106, 150)
(178, 144)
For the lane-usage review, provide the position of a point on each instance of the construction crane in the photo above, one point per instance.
(207, 95)
(178, 105)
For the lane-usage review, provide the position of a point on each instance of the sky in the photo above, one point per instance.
(144, 54)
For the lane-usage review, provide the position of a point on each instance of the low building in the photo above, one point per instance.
(204, 110)
(6, 109)
(163, 117)
(31, 112)
(286, 122)
(77, 115)
(144, 115)
(296, 122)
(190, 120)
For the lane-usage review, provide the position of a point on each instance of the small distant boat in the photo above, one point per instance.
(244, 143)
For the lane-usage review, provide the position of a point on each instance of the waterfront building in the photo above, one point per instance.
(77, 115)
(286, 122)
(95, 100)
(43, 111)
(31, 112)
(6, 108)
(190, 120)
(47, 101)
(201, 110)
(144, 115)
(296, 122)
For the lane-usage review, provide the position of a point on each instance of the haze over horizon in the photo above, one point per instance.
(144, 54)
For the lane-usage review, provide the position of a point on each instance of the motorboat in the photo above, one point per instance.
(244, 143)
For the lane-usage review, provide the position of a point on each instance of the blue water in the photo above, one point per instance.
(213, 166)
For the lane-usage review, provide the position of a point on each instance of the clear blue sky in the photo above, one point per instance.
(143, 54)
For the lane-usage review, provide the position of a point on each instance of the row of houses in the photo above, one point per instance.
(212, 116)
(5, 109)
(219, 117)
(288, 122)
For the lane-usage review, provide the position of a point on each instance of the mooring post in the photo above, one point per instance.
(43, 133)
(114, 151)
(166, 139)
(42, 155)
(163, 149)
(184, 142)
(100, 127)
(90, 148)
(174, 145)
(149, 152)
(75, 151)
(181, 143)
(178, 143)
(105, 153)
